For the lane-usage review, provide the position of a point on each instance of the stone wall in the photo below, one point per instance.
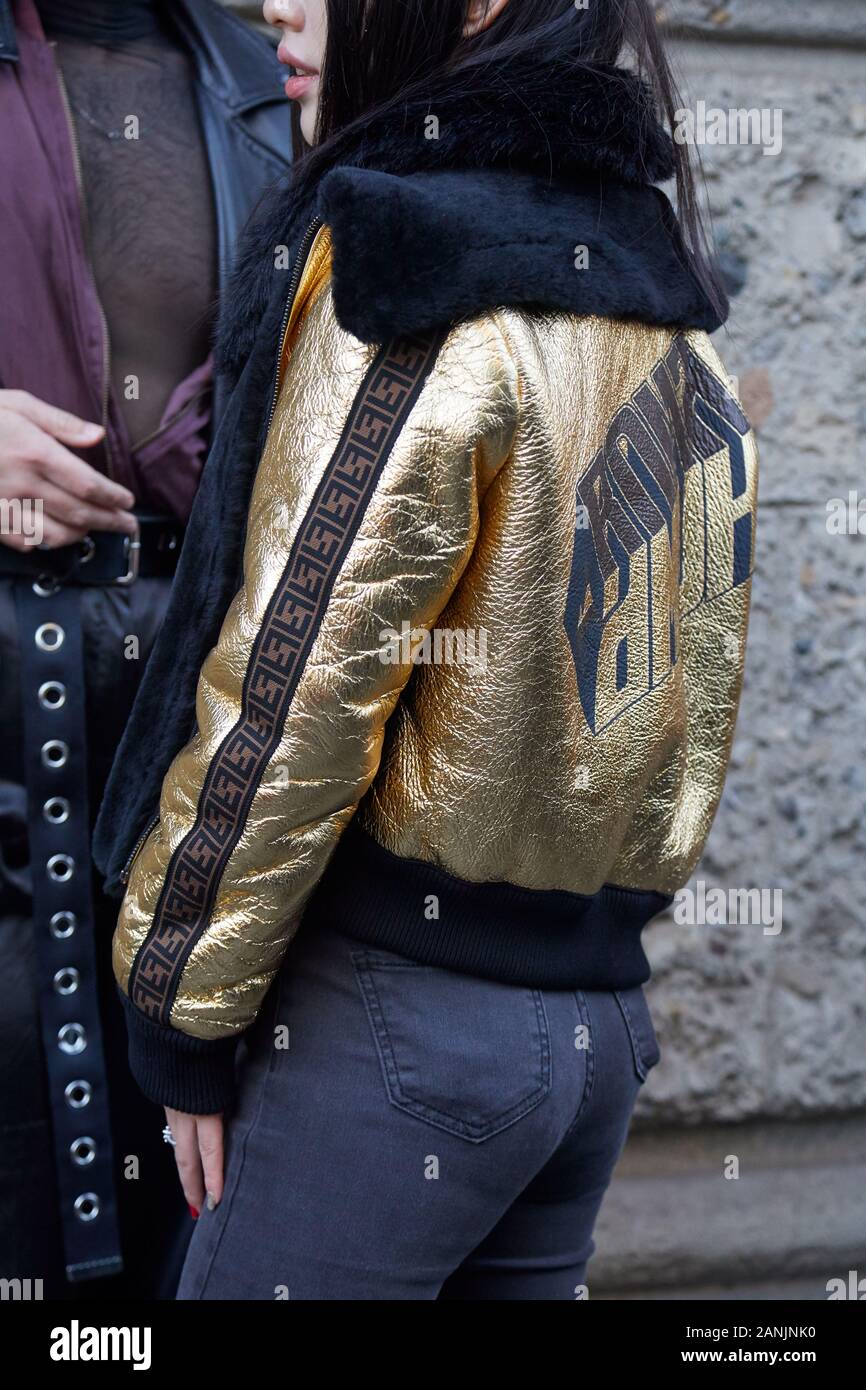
(763, 1034)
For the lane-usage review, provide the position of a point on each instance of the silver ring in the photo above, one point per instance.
(56, 810)
(49, 636)
(82, 1151)
(51, 694)
(86, 1206)
(54, 753)
(45, 585)
(168, 1137)
(62, 924)
(78, 1094)
(60, 867)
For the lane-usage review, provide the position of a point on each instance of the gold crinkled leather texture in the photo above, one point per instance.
(497, 775)
(488, 770)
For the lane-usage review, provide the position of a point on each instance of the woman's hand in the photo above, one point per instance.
(198, 1151)
(35, 465)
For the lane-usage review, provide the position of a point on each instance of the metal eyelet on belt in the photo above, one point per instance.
(86, 1206)
(61, 867)
(49, 636)
(45, 585)
(56, 810)
(77, 1094)
(66, 980)
(54, 752)
(51, 694)
(62, 925)
(82, 1151)
(72, 1039)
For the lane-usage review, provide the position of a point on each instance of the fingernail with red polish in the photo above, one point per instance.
(192, 1211)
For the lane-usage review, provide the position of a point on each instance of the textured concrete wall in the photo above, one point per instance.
(770, 1030)
(757, 1024)
(764, 1035)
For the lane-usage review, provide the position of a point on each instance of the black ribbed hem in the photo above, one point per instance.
(189, 1074)
(546, 939)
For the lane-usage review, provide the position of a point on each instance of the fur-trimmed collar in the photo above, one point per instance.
(451, 204)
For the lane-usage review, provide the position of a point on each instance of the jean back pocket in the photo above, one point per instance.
(467, 1055)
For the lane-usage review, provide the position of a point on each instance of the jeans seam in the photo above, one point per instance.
(639, 1059)
(584, 1016)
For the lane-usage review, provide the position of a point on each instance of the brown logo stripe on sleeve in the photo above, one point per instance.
(283, 643)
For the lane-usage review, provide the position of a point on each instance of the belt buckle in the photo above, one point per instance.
(132, 555)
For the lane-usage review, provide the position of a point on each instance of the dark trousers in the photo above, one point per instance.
(405, 1132)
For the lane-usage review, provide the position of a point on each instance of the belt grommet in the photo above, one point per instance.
(72, 1039)
(49, 636)
(66, 980)
(86, 1206)
(44, 585)
(62, 924)
(82, 1151)
(56, 810)
(54, 752)
(77, 1094)
(51, 694)
(61, 867)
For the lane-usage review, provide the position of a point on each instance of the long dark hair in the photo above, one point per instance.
(380, 53)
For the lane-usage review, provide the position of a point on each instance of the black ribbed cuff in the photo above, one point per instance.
(194, 1075)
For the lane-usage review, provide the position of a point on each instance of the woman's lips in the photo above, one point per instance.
(303, 77)
(295, 87)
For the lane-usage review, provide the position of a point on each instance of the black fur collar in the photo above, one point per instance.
(416, 251)
(435, 222)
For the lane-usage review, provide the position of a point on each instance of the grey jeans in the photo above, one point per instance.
(405, 1132)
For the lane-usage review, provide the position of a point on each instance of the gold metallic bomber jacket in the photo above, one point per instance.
(474, 700)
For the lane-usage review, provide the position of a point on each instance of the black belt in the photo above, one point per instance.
(48, 598)
(103, 557)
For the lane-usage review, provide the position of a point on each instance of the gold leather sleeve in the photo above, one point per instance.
(364, 514)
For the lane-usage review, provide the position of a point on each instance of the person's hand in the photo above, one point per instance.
(34, 465)
(198, 1151)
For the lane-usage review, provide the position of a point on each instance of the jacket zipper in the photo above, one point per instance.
(300, 261)
(139, 844)
(297, 270)
(106, 341)
(172, 420)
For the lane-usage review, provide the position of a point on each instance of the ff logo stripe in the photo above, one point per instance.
(279, 654)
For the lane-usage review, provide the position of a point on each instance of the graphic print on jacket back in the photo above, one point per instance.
(664, 525)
